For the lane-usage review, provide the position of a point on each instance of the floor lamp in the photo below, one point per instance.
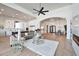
(19, 27)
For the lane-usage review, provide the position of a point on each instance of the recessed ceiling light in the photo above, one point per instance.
(16, 14)
(2, 9)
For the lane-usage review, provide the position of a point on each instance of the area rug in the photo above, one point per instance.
(47, 48)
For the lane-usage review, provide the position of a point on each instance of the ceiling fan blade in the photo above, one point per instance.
(41, 8)
(38, 13)
(43, 13)
(36, 10)
(46, 11)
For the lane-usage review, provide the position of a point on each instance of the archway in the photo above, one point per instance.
(54, 28)
(54, 25)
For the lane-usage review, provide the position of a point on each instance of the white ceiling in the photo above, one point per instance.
(54, 19)
(7, 11)
(48, 6)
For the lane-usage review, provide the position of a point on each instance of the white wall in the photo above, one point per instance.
(75, 25)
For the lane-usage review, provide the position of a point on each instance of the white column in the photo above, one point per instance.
(68, 28)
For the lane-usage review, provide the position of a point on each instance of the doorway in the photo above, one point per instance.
(65, 27)
(52, 29)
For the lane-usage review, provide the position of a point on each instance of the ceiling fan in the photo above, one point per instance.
(41, 11)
